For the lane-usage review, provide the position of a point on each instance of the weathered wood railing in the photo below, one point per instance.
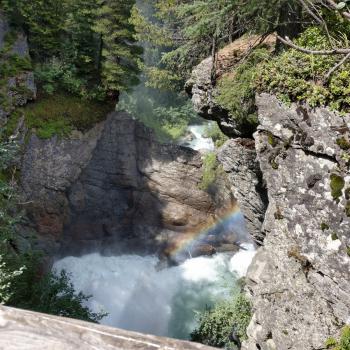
(26, 330)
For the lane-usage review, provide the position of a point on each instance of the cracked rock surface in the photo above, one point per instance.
(299, 282)
(115, 185)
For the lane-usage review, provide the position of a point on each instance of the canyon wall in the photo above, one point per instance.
(299, 281)
(116, 187)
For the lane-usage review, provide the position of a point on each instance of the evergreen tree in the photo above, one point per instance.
(81, 44)
(119, 54)
(43, 20)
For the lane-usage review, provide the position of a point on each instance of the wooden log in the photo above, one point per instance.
(27, 330)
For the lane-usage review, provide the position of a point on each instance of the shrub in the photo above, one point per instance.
(213, 131)
(54, 294)
(295, 76)
(343, 344)
(211, 170)
(56, 75)
(236, 92)
(216, 325)
(7, 278)
(60, 113)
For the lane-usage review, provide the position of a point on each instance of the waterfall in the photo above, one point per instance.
(140, 297)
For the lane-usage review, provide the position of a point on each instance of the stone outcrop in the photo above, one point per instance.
(28, 330)
(19, 88)
(115, 187)
(299, 281)
(239, 161)
(202, 89)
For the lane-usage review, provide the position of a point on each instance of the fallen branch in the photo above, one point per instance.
(290, 43)
(336, 67)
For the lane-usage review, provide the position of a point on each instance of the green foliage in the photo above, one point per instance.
(167, 114)
(120, 54)
(55, 294)
(56, 75)
(337, 184)
(343, 344)
(216, 325)
(45, 40)
(236, 92)
(79, 45)
(7, 279)
(59, 114)
(296, 76)
(193, 24)
(213, 131)
(211, 171)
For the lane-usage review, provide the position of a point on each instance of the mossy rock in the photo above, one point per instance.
(60, 114)
(343, 143)
(337, 185)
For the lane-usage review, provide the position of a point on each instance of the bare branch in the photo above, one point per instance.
(335, 51)
(333, 5)
(336, 67)
(311, 13)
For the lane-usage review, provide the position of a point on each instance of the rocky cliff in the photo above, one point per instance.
(115, 187)
(299, 281)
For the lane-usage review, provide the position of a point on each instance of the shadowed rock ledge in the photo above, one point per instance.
(20, 329)
(116, 187)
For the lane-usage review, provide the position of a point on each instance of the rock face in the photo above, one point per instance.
(202, 89)
(115, 187)
(238, 158)
(21, 87)
(300, 280)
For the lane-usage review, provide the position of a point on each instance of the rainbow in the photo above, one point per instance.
(184, 241)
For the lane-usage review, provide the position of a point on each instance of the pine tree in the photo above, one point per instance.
(43, 20)
(119, 55)
(81, 43)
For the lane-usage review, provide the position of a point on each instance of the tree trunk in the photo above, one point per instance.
(289, 21)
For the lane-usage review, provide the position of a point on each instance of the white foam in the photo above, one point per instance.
(200, 142)
(240, 262)
(139, 297)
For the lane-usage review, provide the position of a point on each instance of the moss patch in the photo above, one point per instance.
(343, 143)
(347, 209)
(272, 140)
(324, 226)
(337, 185)
(211, 170)
(59, 114)
(334, 236)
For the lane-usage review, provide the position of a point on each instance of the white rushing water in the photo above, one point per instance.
(199, 142)
(140, 297)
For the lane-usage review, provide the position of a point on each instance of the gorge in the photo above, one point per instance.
(226, 225)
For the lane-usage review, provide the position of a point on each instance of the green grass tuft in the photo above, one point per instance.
(59, 114)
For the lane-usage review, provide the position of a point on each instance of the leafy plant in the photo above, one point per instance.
(217, 324)
(213, 131)
(211, 171)
(343, 343)
(236, 92)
